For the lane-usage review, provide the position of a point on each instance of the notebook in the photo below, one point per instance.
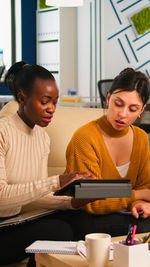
(56, 247)
(24, 217)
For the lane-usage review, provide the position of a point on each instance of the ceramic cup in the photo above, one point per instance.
(95, 249)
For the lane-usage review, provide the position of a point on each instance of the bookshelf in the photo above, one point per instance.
(57, 44)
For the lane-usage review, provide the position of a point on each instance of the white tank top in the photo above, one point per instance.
(123, 169)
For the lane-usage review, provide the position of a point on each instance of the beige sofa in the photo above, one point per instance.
(65, 121)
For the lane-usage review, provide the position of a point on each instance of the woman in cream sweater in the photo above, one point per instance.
(24, 149)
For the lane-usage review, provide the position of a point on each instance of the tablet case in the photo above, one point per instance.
(97, 189)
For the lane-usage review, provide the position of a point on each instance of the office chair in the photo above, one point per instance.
(103, 88)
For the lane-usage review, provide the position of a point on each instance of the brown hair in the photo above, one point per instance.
(130, 80)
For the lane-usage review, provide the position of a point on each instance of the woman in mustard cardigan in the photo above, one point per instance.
(111, 147)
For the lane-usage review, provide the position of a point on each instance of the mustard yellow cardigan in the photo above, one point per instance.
(88, 152)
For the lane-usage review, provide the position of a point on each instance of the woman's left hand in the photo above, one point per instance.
(144, 207)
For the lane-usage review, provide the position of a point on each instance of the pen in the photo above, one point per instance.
(140, 213)
(129, 235)
(147, 240)
(130, 225)
(133, 234)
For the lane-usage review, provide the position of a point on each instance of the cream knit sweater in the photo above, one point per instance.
(24, 179)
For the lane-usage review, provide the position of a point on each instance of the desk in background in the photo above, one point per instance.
(5, 99)
(61, 260)
(80, 101)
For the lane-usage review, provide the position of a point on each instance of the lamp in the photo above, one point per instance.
(64, 3)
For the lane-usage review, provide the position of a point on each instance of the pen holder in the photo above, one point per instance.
(131, 256)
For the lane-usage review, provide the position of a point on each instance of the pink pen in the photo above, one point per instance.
(133, 234)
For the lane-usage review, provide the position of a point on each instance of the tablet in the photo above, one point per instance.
(97, 189)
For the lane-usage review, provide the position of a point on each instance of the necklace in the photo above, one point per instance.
(109, 130)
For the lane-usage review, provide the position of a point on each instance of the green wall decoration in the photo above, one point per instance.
(42, 4)
(141, 20)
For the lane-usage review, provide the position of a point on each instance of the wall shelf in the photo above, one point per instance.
(57, 44)
(48, 41)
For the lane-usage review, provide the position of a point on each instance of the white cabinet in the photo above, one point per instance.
(57, 45)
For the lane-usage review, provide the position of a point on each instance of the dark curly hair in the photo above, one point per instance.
(130, 80)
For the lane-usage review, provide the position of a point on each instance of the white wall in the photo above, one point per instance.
(5, 31)
(84, 49)
(114, 59)
(108, 57)
(18, 30)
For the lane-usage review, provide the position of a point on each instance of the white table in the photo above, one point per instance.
(62, 260)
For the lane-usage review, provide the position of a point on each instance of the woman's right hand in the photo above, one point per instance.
(144, 207)
(66, 179)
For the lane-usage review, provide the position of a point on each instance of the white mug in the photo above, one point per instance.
(95, 249)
